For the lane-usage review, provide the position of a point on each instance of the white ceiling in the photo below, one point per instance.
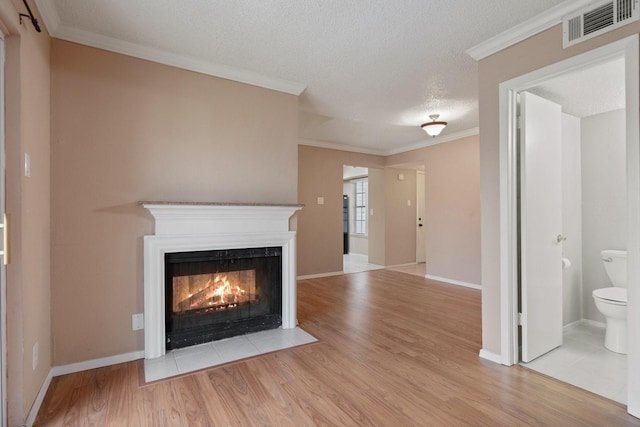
(589, 91)
(369, 72)
(349, 172)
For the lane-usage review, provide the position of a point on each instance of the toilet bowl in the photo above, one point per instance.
(612, 301)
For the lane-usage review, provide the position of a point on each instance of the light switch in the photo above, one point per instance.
(27, 165)
(409, 202)
(321, 200)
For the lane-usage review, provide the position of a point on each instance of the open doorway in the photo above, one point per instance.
(355, 220)
(520, 309)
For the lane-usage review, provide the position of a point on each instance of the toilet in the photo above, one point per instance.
(612, 301)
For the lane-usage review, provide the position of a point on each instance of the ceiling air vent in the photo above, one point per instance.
(597, 18)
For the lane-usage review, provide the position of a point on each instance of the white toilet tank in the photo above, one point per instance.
(615, 264)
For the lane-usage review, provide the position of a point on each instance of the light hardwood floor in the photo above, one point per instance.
(394, 350)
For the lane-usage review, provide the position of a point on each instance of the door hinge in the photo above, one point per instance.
(520, 319)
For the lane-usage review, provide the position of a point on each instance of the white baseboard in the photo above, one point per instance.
(492, 357)
(33, 413)
(401, 265)
(317, 276)
(594, 323)
(72, 368)
(572, 324)
(96, 363)
(453, 282)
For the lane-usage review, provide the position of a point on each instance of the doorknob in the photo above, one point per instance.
(560, 238)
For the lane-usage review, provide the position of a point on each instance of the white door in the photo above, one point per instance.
(540, 225)
(421, 240)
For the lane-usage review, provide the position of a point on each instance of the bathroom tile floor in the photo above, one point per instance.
(189, 359)
(582, 360)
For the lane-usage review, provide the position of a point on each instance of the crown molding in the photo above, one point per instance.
(531, 27)
(49, 15)
(61, 31)
(340, 147)
(403, 149)
(433, 141)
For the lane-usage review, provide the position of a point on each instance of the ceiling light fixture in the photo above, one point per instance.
(433, 127)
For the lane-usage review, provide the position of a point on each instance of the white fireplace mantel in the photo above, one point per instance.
(184, 227)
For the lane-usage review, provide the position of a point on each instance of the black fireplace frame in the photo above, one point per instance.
(200, 326)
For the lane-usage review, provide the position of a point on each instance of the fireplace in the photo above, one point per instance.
(212, 238)
(210, 295)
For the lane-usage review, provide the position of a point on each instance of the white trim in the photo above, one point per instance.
(434, 141)
(453, 282)
(414, 146)
(492, 357)
(35, 408)
(61, 31)
(4, 413)
(318, 276)
(400, 265)
(528, 28)
(591, 323)
(72, 368)
(185, 227)
(572, 324)
(627, 47)
(340, 147)
(49, 15)
(632, 112)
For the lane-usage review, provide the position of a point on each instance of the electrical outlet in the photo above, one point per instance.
(137, 322)
(34, 357)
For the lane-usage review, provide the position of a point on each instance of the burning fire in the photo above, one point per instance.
(221, 289)
(214, 291)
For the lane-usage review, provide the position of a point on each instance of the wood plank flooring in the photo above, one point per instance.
(394, 350)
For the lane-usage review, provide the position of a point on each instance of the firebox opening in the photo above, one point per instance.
(210, 295)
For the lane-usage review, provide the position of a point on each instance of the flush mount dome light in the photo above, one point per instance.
(433, 127)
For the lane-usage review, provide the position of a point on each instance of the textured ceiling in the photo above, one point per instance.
(583, 93)
(373, 70)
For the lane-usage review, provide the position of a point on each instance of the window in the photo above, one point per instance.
(361, 207)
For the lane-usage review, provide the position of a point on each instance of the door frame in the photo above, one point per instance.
(508, 90)
(3, 268)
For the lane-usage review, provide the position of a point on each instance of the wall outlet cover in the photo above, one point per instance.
(137, 322)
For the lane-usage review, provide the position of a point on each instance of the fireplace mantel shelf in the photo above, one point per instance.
(218, 204)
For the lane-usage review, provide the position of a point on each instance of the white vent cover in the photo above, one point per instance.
(597, 18)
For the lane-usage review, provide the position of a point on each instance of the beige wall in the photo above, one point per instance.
(531, 54)
(27, 201)
(320, 226)
(452, 200)
(125, 130)
(400, 216)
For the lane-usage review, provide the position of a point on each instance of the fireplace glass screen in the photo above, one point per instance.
(217, 294)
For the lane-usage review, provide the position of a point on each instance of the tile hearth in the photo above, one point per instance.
(190, 359)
